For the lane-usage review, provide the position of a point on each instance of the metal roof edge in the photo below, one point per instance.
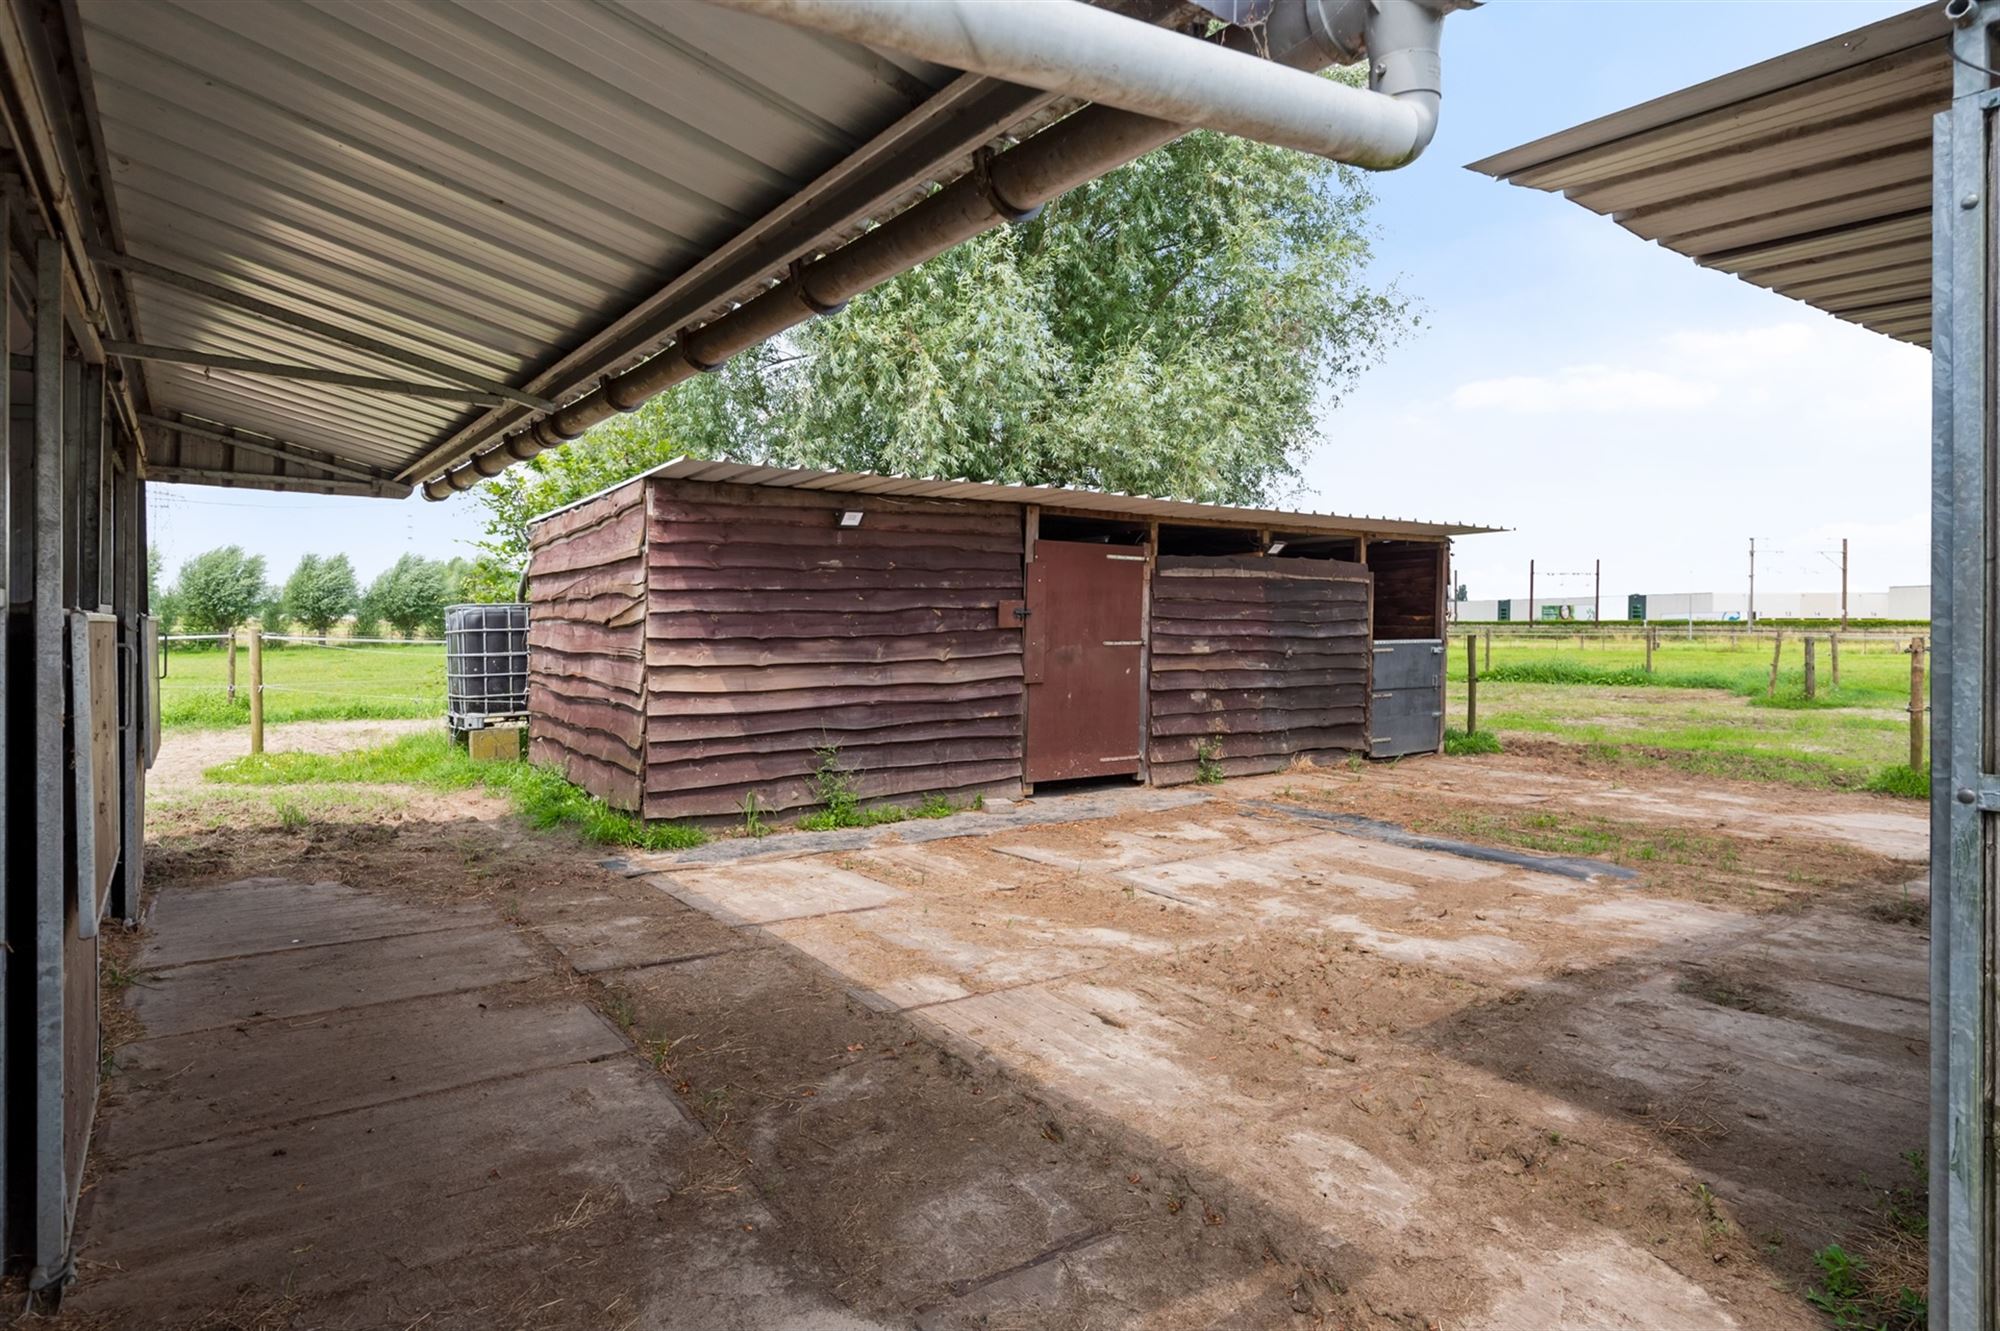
(1886, 36)
(684, 467)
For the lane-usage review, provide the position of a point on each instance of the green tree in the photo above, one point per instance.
(321, 592)
(410, 595)
(1172, 329)
(270, 611)
(164, 604)
(219, 589)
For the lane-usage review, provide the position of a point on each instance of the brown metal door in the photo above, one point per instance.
(1085, 622)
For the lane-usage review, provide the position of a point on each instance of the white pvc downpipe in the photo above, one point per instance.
(1080, 51)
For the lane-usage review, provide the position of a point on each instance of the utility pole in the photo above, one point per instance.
(1531, 591)
(1843, 584)
(1597, 592)
(1752, 616)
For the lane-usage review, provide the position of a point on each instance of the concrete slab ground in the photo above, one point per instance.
(396, 1114)
(1212, 1062)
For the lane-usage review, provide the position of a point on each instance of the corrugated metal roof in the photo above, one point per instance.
(534, 192)
(1048, 496)
(1809, 174)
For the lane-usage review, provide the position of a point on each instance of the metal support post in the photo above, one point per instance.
(1965, 793)
(51, 1190)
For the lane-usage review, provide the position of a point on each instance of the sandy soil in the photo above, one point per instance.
(1231, 1066)
(185, 754)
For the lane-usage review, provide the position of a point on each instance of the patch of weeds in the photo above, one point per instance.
(1907, 908)
(1714, 1224)
(840, 806)
(1849, 1293)
(290, 816)
(1208, 761)
(618, 1006)
(753, 818)
(1882, 1284)
(943, 806)
(833, 786)
(117, 977)
(542, 795)
(1589, 836)
(1901, 780)
(1459, 743)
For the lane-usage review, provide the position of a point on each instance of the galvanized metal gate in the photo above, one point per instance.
(1085, 630)
(1406, 698)
(1965, 692)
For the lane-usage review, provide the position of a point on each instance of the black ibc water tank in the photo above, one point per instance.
(485, 664)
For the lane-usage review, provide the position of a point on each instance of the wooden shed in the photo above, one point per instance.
(698, 633)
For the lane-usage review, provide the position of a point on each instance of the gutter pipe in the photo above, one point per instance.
(1385, 127)
(1096, 55)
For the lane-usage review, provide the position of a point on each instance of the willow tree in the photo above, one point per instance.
(1172, 329)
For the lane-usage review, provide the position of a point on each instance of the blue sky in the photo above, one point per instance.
(1600, 396)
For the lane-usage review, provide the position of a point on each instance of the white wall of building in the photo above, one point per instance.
(1912, 602)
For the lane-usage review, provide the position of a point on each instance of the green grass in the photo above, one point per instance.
(1900, 779)
(1874, 672)
(1590, 836)
(303, 683)
(539, 794)
(1458, 743)
(1707, 708)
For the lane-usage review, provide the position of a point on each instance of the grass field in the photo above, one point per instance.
(304, 683)
(1708, 707)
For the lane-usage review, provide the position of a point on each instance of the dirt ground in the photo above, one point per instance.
(1244, 1062)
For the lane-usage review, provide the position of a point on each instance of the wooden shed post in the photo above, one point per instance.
(1146, 656)
(1031, 528)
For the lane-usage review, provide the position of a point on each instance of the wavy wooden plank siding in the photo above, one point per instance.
(772, 630)
(1266, 657)
(586, 644)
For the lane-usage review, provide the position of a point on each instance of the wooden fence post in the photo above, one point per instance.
(1649, 649)
(1916, 704)
(232, 667)
(257, 690)
(1833, 658)
(1489, 649)
(1471, 685)
(1777, 647)
(1812, 674)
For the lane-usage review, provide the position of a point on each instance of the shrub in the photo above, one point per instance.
(1901, 780)
(1459, 744)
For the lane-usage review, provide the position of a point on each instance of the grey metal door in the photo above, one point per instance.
(1406, 703)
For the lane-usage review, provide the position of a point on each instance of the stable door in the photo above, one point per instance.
(1084, 652)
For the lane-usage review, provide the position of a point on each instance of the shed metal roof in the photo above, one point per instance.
(529, 193)
(1048, 496)
(1809, 174)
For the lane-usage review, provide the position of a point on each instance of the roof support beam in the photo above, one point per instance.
(263, 481)
(923, 144)
(290, 454)
(309, 373)
(222, 295)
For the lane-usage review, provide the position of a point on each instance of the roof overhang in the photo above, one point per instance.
(1809, 174)
(1065, 498)
(346, 248)
(392, 230)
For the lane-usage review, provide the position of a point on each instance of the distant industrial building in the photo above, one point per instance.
(1908, 602)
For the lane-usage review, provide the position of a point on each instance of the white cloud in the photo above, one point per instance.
(1584, 388)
